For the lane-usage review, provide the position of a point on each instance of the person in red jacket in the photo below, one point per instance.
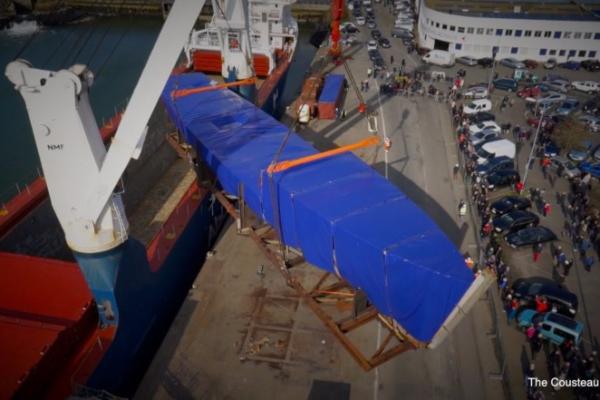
(547, 209)
(519, 186)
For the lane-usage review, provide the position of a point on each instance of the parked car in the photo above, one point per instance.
(476, 92)
(350, 29)
(586, 86)
(550, 149)
(529, 236)
(373, 54)
(385, 43)
(496, 164)
(439, 57)
(466, 60)
(591, 106)
(476, 106)
(502, 178)
(486, 62)
(551, 97)
(499, 147)
(360, 20)
(372, 45)
(481, 117)
(401, 33)
(508, 203)
(515, 220)
(558, 85)
(573, 65)
(531, 64)
(512, 63)
(483, 136)
(591, 121)
(378, 63)
(371, 24)
(581, 152)
(554, 327)
(591, 65)
(567, 106)
(530, 91)
(526, 289)
(564, 167)
(506, 84)
(589, 168)
(376, 34)
(550, 63)
(484, 126)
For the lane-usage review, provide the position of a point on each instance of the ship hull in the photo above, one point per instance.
(150, 296)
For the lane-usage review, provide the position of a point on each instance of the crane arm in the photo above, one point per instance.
(130, 135)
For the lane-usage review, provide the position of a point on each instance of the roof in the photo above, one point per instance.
(344, 216)
(585, 10)
(331, 88)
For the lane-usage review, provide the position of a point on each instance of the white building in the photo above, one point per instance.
(521, 29)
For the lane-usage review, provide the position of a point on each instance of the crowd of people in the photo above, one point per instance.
(582, 228)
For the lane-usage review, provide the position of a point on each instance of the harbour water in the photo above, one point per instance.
(116, 50)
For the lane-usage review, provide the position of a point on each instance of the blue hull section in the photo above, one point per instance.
(345, 217)
(149, 300)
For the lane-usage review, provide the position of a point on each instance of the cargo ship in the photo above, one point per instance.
(76, 322)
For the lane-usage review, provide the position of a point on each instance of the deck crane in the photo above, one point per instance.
(80, 172)
(337, 8)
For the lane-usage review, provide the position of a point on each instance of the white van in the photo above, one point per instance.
(477, 106)
(495, 148)
(439, 57)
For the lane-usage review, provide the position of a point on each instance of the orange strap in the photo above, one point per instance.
(185, 92)
(284, 165)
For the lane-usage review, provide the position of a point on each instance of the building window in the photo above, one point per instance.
(461, 29)
(587, 35)
(470, 30)
(567, 35)
(537, 33)
(498, 32)
(480, 31)
(552, 52)
(445, 27)
(437, 24)
(514, 50)
(527, 33)
(495, 50)
(489, 31)
(452, 28)
(577, 35)
(581, 53)
(592, 54)
(518, 33)
(597, 36)
(557, 34)
(547, 34)
(543, 52)
(432, 23)
(458, 46)
(562, 53)
(572, 53)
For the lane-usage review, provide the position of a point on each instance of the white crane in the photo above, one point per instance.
(80, 173)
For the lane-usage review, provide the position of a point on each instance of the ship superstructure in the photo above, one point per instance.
(271, 35)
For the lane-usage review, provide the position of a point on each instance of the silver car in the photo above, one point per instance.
(566, 167)
(476, 92)
(466, 60)
(512, 63)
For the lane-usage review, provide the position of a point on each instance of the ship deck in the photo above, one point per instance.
(160, 201)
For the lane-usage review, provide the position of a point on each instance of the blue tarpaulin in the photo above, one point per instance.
(344, 217)
(332, 87)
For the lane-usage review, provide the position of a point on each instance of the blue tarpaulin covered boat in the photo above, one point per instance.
(344, 217)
